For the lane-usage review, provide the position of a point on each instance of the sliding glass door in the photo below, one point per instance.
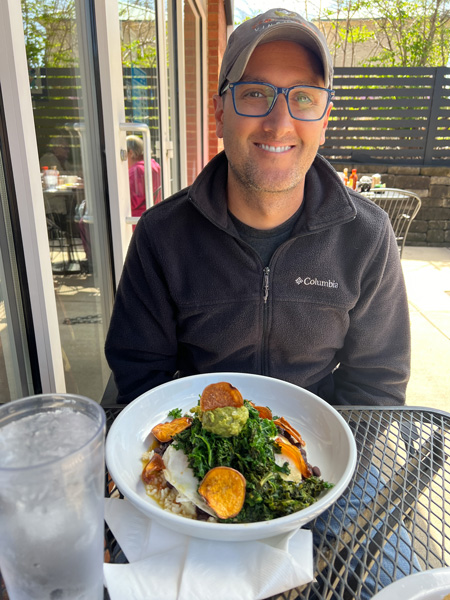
(101, 114)
(59, 44)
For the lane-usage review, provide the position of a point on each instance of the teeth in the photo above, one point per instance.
(274, 148)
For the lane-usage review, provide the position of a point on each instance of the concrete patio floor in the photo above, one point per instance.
(427, 275)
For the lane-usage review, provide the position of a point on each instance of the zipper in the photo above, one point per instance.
(266, 272)
(264, 352)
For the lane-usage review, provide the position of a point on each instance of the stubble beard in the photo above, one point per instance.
(255, 181)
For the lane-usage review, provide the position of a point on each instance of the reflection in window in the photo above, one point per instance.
(63, 98)
(140, 77)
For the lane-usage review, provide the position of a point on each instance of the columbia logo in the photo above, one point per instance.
(315, 281)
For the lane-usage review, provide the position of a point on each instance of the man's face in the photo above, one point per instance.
(272, 153)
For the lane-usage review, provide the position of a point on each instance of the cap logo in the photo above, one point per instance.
(284, 17)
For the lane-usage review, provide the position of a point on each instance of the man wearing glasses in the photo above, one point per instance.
(267, 263)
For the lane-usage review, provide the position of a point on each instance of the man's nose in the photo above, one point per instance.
(279, 117)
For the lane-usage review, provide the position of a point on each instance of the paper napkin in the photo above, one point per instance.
(164, 564)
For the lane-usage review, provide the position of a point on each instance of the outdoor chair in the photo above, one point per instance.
(110, 393)
(58, 242)
(401, 206)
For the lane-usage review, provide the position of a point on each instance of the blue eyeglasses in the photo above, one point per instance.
(256, 99)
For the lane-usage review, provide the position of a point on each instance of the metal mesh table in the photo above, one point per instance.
(403, 478)
(403, 466)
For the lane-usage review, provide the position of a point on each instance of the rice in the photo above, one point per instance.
(167, 496)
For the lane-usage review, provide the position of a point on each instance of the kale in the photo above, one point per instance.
(277, 498)
(175, 413)
(251, 452)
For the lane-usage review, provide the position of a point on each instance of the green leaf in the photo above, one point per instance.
(176, 413)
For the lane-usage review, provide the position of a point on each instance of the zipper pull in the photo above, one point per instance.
(266, 284)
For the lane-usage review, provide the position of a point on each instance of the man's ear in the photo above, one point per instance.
(325, 124)
(218, 114)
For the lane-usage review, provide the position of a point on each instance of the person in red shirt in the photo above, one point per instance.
(136, 172)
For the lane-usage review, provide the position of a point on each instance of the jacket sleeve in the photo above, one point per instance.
(141, 346)
(374, 363)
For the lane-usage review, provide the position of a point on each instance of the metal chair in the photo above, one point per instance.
(402, 207)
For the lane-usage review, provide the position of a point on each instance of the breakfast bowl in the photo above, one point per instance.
(330, 446)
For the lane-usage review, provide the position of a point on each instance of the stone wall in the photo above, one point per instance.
(431, 227)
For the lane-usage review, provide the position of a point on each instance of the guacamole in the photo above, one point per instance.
(226, 421)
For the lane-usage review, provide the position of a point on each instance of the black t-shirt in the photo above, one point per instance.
(266, 241)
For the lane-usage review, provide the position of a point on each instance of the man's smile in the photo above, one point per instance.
(276, 149)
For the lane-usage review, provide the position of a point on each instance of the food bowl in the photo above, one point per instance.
(330, 445)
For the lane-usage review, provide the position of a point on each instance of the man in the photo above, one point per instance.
(266, 263)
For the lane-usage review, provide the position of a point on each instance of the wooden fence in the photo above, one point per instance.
(390, 114)
(380, 114)
(58, 105)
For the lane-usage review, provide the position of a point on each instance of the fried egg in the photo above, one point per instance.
(288, 455)
(179, 474)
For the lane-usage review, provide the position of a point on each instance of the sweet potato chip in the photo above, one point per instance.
(288, 427)
(164, 432)
(263, 411)
(295, 455)
(223, 488)
(218, 395)
(154, 465)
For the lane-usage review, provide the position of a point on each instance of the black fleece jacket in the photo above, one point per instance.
(328, 313)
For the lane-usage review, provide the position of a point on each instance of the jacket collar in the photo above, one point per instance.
(327, 201)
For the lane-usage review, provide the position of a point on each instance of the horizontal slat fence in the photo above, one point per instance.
(385, 114)
(58, 106)
(379, 114)
(141, 100)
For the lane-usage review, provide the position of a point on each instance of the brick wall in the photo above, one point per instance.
(192, 98)
(217, 41)
(431, 227)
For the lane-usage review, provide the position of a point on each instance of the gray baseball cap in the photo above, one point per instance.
(273, 25)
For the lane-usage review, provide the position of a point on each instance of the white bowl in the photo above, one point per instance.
(433, 584)
(330, 445)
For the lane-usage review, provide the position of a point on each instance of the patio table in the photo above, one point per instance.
(403, 475)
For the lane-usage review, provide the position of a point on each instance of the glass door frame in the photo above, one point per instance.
(22, 141)
(26, 175)
(110, 71)
(178, 82)
(113, 111)
(15, 84)
(113, 106)
(17, 343)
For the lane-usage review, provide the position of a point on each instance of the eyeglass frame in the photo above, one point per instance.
(278, 92)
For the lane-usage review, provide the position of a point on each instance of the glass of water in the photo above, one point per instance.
(51, 497)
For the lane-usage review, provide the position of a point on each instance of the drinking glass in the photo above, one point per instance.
(51, 497)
